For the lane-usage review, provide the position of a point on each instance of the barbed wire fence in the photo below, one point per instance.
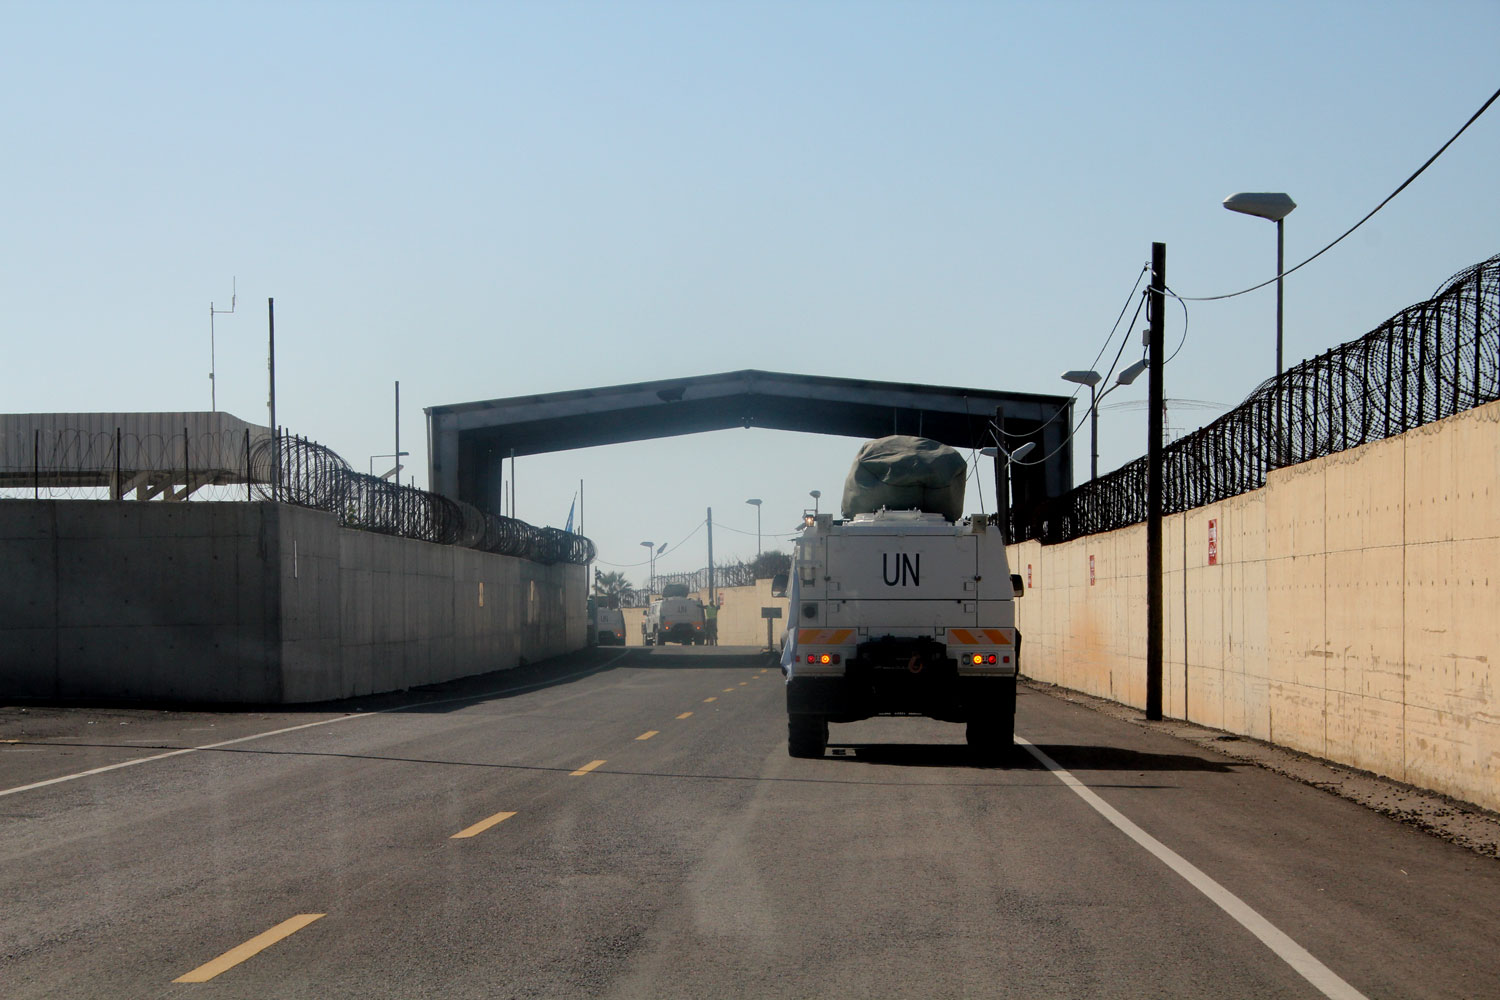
(87, 465)
(1429, 361)
(735, 574)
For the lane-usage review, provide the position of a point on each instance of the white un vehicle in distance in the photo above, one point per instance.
(674, 619)
(903, 607)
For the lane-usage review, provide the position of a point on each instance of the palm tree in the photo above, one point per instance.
(612, 588)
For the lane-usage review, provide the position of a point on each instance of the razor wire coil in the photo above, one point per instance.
(1431, 360)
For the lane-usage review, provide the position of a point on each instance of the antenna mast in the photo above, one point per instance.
(213, 392)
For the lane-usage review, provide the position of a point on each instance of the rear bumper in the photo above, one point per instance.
(861, 695)
(682, 633)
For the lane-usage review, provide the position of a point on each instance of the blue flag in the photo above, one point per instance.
(569, 528)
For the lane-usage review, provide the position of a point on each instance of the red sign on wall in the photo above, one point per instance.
(1091, 570)
(1028, 576)
(1213, 541)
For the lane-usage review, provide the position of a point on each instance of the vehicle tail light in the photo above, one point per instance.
(825, 658)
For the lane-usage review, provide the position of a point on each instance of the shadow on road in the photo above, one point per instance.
(1073, 758)
(672, 657)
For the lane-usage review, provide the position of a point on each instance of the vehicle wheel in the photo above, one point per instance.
(991, 740)
(806, 735)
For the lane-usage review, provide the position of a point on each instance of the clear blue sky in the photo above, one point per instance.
(488, 200)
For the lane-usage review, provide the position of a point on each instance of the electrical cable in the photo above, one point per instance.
(1104, 347)
(1079, 426)
(1183, 341)
(1473, 118)
(685, 540)
(647, 560)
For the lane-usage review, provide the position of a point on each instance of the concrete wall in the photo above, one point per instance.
(257, 602)
(1351, 612)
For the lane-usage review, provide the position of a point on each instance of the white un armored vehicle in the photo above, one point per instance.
(674, 619)
(903, 607)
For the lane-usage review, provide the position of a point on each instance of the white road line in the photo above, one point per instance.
(1289, 951)
(292, 729)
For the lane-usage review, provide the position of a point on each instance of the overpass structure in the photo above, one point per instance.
(468, 442)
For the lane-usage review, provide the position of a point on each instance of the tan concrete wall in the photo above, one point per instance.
(1353, 611)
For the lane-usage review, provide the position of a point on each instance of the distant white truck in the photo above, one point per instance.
(674, 619)
(902, 611)
(610, 627)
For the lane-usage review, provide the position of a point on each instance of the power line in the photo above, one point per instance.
(1472, 119)
(1104, 347)
(1079, 426)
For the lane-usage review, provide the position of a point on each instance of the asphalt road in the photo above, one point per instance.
(627, 823)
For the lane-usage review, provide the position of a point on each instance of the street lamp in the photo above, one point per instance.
(815, 494)
(1090, 379)
(398, 456)
(1275, 206)
(1022, 450)
(756, 505)
(651, 577)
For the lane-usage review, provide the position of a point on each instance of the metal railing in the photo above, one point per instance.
(89, 465)
(310, 475)
(77, 464)
(1429, 361)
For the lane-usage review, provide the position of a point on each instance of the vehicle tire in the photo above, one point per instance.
(991, 740)
(806, 735)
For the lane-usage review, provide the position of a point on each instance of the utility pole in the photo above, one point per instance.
(275, 432)
(398, 432)
(1156, 310)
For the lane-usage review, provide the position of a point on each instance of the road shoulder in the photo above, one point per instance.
(1457, 822)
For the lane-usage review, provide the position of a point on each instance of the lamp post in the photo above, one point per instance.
(397, 470)
(1002, 475)
(1090, 379)
(756, 504)
(1276, 206)
(815, 494)
(651, 578)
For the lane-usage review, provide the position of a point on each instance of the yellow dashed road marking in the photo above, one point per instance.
(707, 700)
(481, 826)
(647, 734)
(585, 769)
(249, 949)
(684, 715)
(728, 690)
